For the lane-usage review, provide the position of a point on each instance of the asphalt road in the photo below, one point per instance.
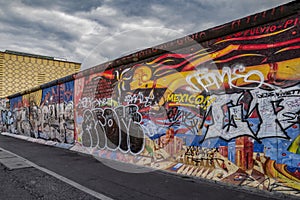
(90, 173)
(31, 183)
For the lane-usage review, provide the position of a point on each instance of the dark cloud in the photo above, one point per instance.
(135, 8)
(106, 29)
(68, 6)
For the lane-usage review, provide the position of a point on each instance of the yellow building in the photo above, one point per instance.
(21, 71)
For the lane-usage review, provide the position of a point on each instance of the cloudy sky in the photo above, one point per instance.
(102, 30)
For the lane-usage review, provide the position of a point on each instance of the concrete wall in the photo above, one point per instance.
(222, 104)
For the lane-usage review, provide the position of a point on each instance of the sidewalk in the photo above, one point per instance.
(90, 173)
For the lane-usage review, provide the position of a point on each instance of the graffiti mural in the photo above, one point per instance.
(216, 110)
(224, 107)
(46, 113)
(6, 115)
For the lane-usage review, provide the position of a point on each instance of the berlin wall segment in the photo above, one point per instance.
(222, 104)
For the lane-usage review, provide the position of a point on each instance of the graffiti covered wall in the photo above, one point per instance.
(5, 114)
(45, 114)
(226, 108)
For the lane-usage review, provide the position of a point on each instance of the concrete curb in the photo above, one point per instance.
(39, 141)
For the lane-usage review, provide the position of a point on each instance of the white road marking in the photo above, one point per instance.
(64, 179)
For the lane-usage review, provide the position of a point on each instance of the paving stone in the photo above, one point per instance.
(4, 154)
(14, 163)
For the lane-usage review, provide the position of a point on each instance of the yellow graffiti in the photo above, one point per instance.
(142, 79)
(279, 172)
(141, 75)
(190, 100)
(295, 146)
(34, 98)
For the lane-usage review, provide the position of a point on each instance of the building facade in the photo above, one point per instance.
(21, 71)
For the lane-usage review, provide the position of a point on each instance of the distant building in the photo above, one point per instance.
(170, 143)
(231, 151)
(223, 150)
(21, 71)
(244, 153)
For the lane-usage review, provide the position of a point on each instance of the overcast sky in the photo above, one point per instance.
(78, 30)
